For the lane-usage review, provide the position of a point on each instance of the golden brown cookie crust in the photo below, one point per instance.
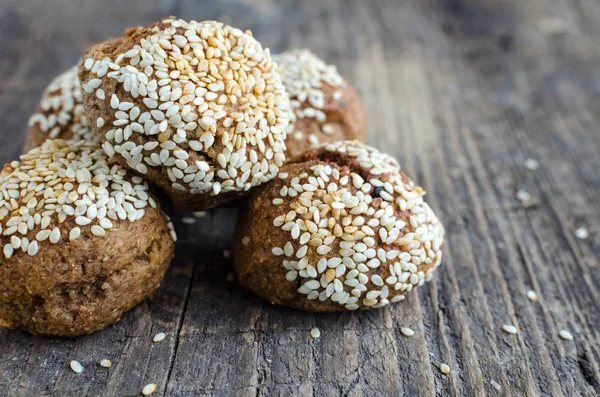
(78, 287)
(218, 139)
(82, 241)
(268, 252)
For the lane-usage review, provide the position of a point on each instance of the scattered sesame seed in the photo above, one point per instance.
(245, 240)
(200, 214)
(226, 253)
(581, 233)
(445, 369)
(159, 337)
(566, 335)
(407, 331)
(76, 367)
(315, 333)
(532, 296)
(509, 329)
(523, 196)
(496, 385)
(531, 164)
(105, 363)
(188, 220)
(149, 389)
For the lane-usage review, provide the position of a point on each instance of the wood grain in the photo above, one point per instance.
(462, 92)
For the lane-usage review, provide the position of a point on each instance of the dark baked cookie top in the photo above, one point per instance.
(63, 190)
(317, 92)
(195, 106)
(350, 229)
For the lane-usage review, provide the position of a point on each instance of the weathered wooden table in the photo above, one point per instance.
(463, 92)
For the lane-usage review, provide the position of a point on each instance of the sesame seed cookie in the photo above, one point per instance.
(341, 228)
(197, 108)
(60, 113)
(325, 108)
(81, 241)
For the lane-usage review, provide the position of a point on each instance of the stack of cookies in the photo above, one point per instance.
(202, 112)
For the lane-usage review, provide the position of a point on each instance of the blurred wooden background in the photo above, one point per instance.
(462, 92)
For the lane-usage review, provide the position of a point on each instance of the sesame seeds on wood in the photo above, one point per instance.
(436, 83)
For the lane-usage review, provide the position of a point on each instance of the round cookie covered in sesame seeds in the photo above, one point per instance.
(60, 113)
(197, 108)
(325, 108)
(81, 240)
(341, 228)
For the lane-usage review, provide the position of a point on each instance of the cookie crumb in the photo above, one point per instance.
(105, 363)
(315, 333)
(566, 335)
(532, 296)
(407, 331)
(445, 369)
(76, 366)
(509, 329)
(230, 277)
(159, 337)
(532, 164)
(149, 389)
(582, 233)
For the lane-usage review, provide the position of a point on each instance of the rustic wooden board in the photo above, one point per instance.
(462, 92)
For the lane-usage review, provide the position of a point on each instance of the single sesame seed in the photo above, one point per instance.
(566, 335)
(532, 296)
(531, 164)
(159, 337)
(445, 369)
(105, 363)
(98, 231)
(407, 331)
(509, 329)
(496, 385)
(149, 389)
(76, 366)
(245, 240)
(523, 196)
(315, 333)
(581, 233)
